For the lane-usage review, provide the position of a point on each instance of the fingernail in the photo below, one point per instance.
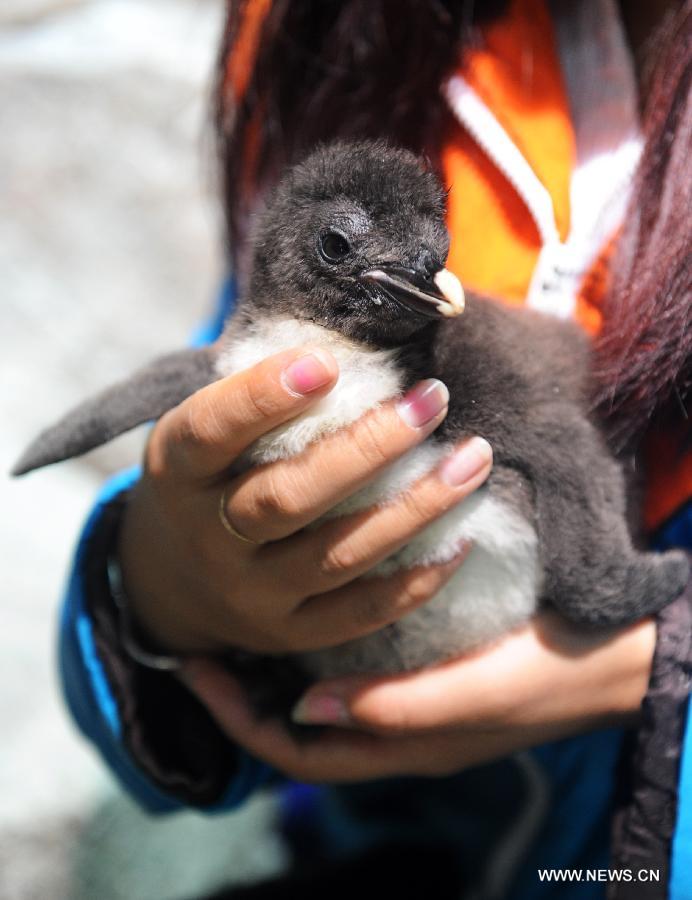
(423, 403)
(320, 709)
(467, 462)
(306, 374)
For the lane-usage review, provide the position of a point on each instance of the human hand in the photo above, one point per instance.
(195, 587)
(542, 682)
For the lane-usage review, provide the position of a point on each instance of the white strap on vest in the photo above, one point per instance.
(601, 87)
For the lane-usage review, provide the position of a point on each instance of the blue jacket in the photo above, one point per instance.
(550, 808)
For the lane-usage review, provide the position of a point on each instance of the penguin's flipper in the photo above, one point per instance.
(146, 395)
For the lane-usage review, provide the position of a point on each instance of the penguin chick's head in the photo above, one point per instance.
(354, 239)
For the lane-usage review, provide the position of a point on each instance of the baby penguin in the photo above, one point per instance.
(349, 254)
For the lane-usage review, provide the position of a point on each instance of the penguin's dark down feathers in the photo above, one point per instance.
(350, 252)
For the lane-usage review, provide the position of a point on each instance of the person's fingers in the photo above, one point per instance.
(342, 549)
(515, 683)
(347, 756)
(278, 499)
(334, 756)
(202, 436)
(265, 738)
(366, 605)
(315, 575)
(462, 691)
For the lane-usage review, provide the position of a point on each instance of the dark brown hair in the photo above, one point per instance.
(373, 68)
(644, 354)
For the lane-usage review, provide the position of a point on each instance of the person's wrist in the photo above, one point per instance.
(631, 671)
(152, 585)
(607, 675)
(133, 641)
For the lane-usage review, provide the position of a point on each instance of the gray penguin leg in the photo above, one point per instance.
(594, 574)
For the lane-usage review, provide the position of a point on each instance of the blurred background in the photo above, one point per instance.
(109, 254)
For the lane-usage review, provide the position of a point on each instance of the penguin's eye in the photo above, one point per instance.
(334, 246)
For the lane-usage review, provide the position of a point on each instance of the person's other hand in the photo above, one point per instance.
(544, 681)
(196, 587)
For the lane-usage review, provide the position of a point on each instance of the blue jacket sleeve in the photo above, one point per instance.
(678, 533)
(90, 694)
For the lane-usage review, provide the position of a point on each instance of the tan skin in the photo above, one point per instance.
(198, 589)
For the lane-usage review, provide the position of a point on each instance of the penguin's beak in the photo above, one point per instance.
(440, 295)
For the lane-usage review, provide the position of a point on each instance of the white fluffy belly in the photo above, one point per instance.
(497, 586)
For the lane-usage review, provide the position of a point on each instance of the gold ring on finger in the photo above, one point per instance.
(228, 525)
